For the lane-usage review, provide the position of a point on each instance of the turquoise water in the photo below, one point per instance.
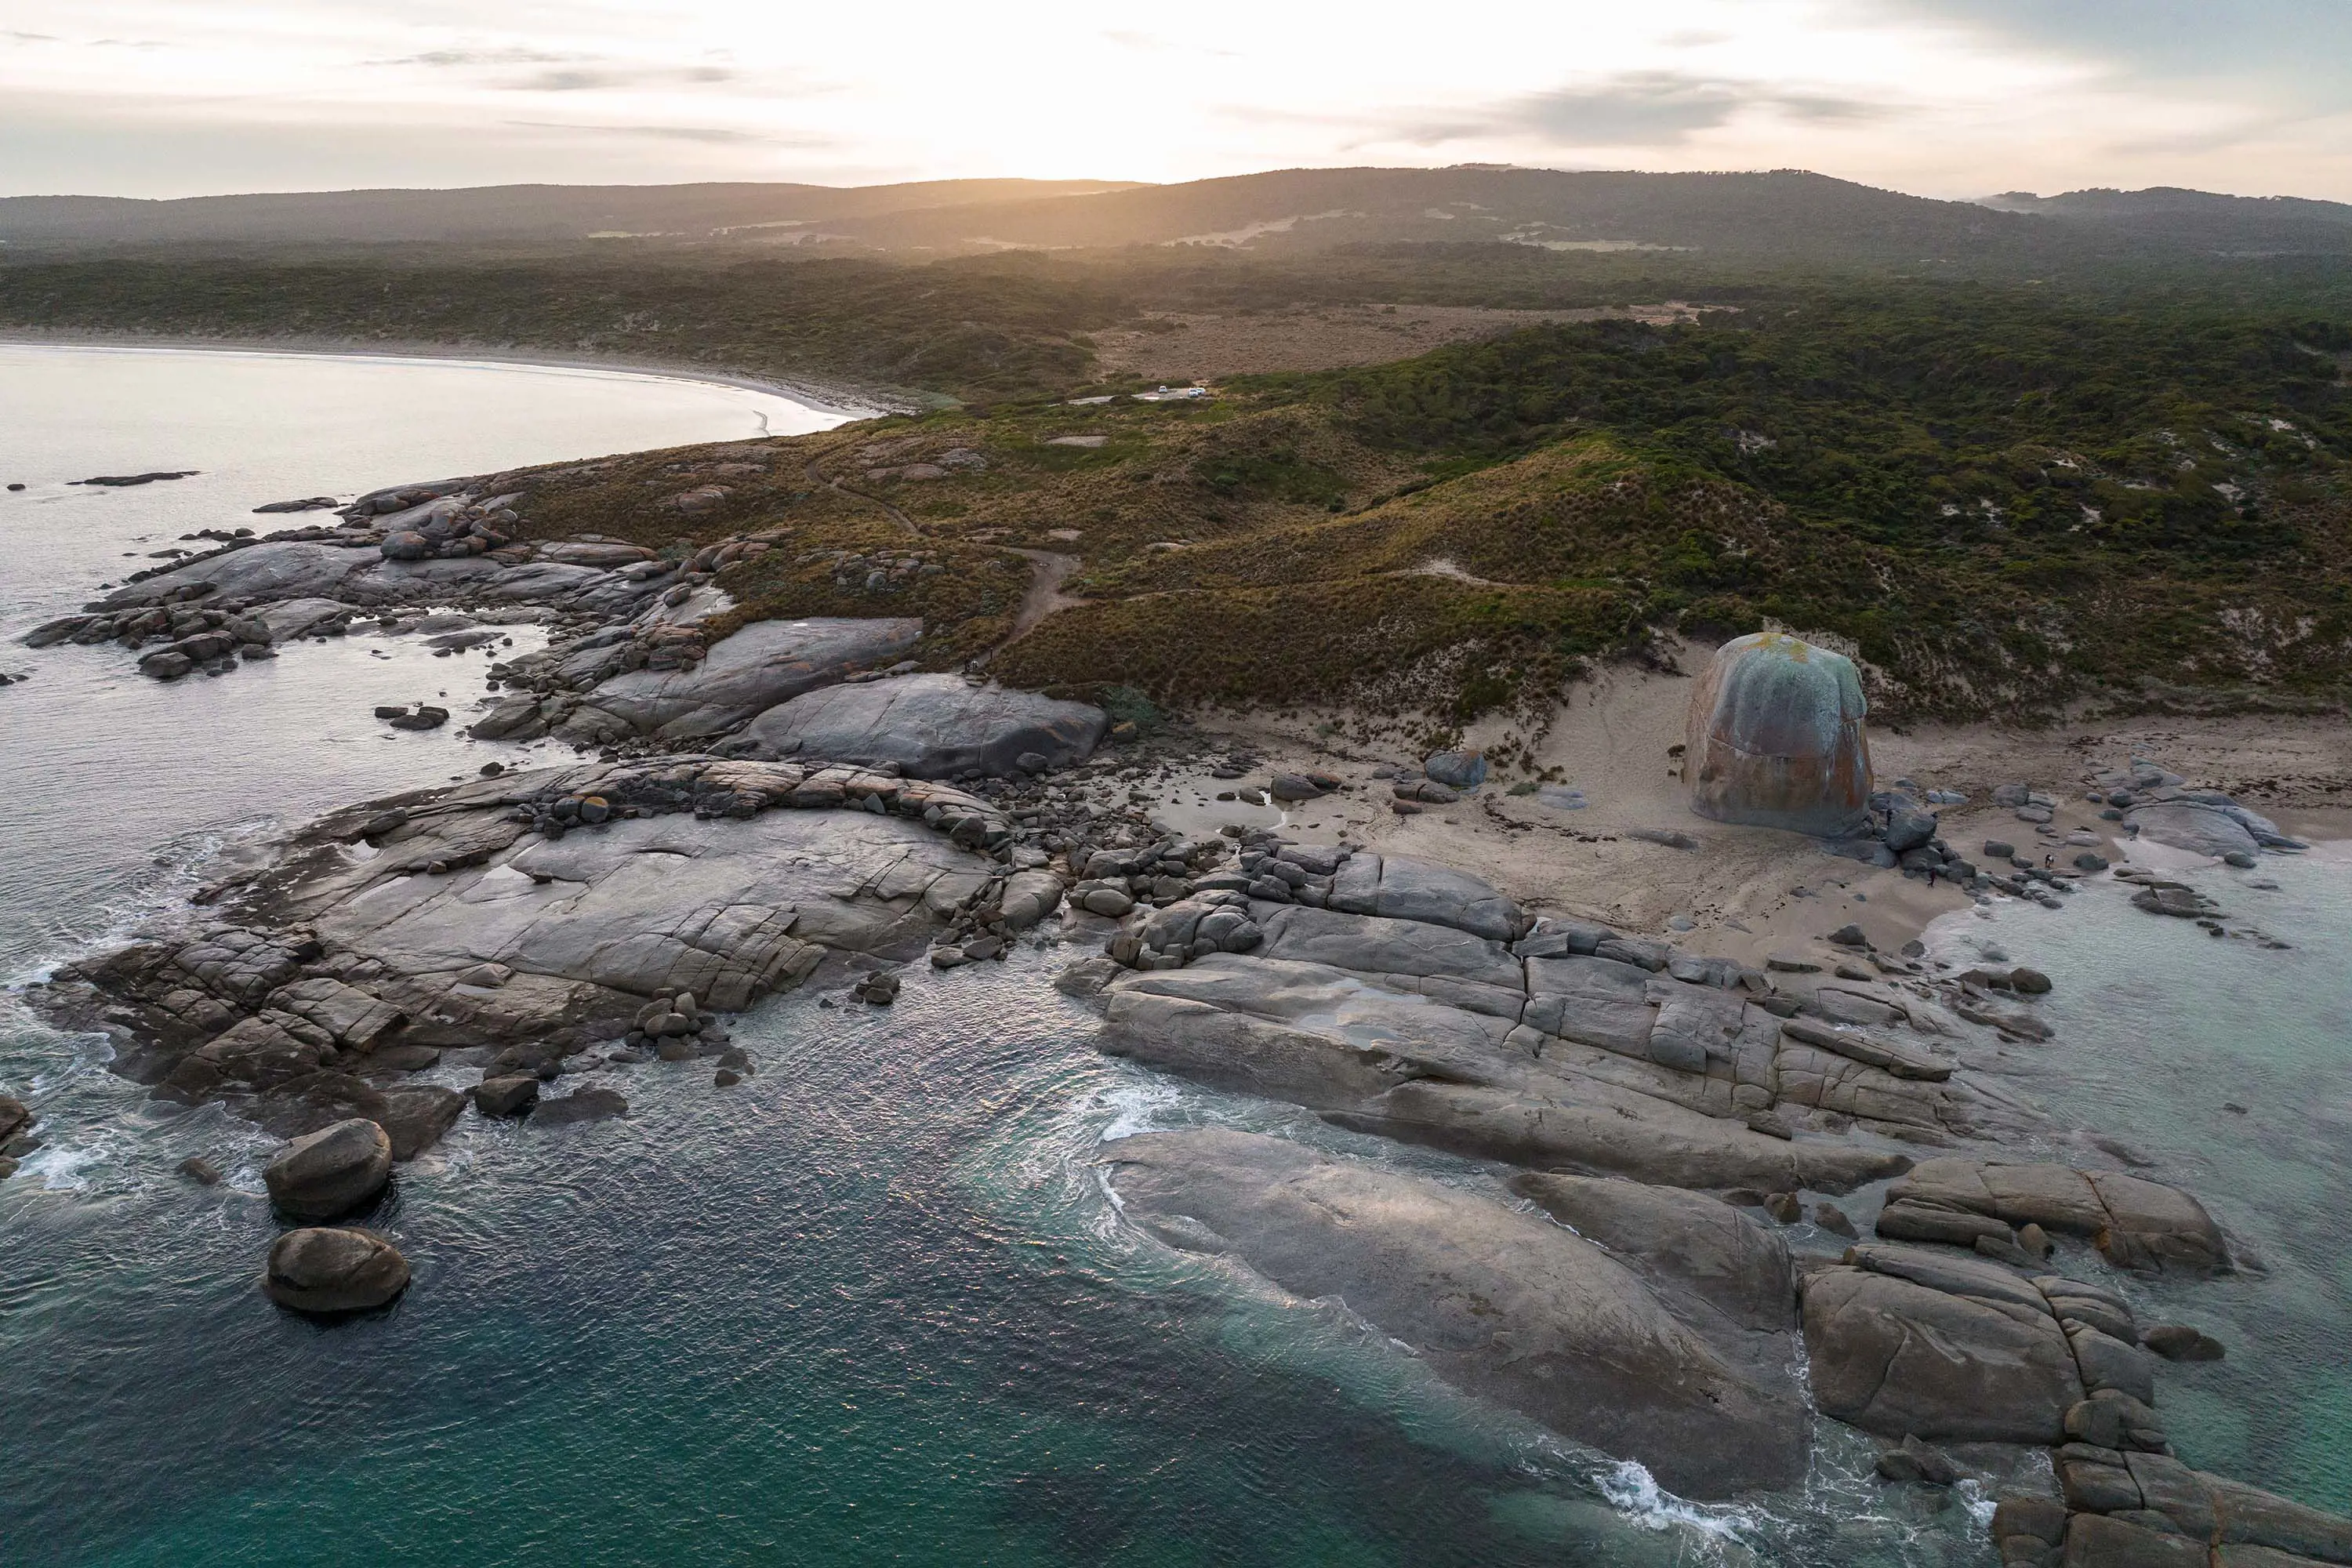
(873, 1305)
(2160, 1028)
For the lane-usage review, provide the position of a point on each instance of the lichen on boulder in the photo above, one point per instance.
(1775, 738)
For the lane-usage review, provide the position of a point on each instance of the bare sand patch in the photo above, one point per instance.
(1747, 892)
(1187, 346)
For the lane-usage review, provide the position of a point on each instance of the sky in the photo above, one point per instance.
(1945, 98)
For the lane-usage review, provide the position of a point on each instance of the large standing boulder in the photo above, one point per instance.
(1775, 738)
(330, 1172)
(931, 726)
(334, 1269)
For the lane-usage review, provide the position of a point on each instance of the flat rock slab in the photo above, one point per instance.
(2136, 1222)
(2198, 828)
(1871, 1049)
(1724, 1267)
(296, 617)
(1502, 1303)
(301, 569)
(754, 669)
(1375, 1057)
(931, 726)
(725, 909)
(1396, 888)
(471, 916)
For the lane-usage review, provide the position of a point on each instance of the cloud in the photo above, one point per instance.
(444, 59)
(1641, 108)
(583, 79)
(2275, 43)
(717, 136)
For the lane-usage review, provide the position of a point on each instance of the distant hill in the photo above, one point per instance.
(2197, 220)
(486, 213)
(1781, 215)
(1785, 212)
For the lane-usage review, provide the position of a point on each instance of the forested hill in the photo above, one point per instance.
(2198, 221)
(1786, 214)
(488, 214)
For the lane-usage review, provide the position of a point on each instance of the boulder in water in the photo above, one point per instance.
(331, 1171)
(1775, 738)
(334, 1269)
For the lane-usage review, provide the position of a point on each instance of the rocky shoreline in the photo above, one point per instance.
(792, 805)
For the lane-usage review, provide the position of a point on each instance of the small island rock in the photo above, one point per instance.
(334, 1269)
(331, 1171)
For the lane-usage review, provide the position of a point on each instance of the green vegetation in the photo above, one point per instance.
(2007, 494)
(965, 329)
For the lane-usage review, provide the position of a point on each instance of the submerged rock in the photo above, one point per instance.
(339, 1270)
(1775, 738)
(581, 1105)
(1501, 1304)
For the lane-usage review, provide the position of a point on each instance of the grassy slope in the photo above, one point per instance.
(2003, 501)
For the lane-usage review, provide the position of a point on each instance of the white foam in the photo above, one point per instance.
(59, 1167)
(1632, 1490)
(1139, 1105)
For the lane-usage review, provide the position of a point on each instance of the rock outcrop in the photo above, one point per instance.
(929, 726)
(1500, 1302)
(1569, 1047)
(328, 1271)
(1775, 738)
(2151, 1511)
(756, 668)
(534, 911)
(1909, 1343)
(350, 574)
(2136, 1223)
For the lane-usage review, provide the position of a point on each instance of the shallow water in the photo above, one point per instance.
(2160, 1029)
(872, 1304)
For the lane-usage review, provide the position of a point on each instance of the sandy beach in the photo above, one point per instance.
(1747, 892)
(852, 402)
